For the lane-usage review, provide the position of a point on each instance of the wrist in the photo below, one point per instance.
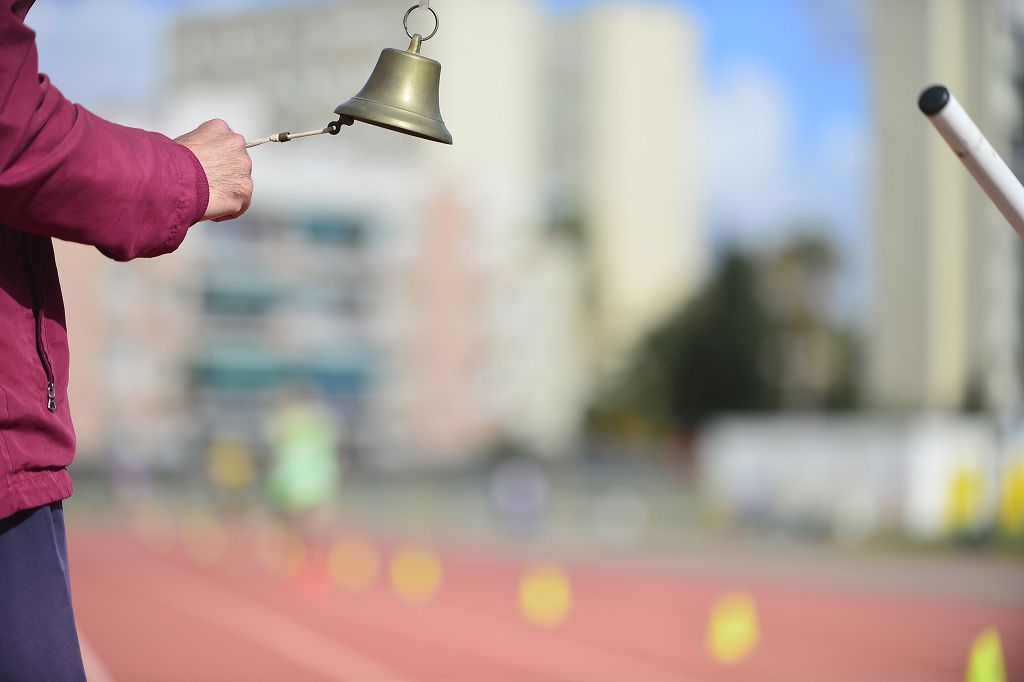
(202, 188)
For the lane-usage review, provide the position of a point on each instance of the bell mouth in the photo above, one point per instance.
(396, 119)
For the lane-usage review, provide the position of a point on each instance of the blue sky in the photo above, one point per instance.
(787, 99)
(815, 48)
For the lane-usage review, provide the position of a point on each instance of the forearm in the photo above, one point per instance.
(67, 173)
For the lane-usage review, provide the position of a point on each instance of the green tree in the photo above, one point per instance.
(706, 359)
(756, 338)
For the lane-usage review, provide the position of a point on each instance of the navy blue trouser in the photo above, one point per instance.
(38, 640)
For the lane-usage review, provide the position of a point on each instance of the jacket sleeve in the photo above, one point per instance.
(66, 173)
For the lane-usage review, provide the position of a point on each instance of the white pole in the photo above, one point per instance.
(968, 143)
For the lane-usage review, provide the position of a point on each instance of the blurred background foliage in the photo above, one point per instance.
(757, 338)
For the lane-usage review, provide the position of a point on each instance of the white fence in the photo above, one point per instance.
(929, 476)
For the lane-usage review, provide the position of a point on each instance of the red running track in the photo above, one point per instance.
(148, 615)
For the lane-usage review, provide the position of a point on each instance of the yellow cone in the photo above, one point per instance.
(354, 564)
(204, 537)
(1011, 505)
(965, 499)
(733, 631)
(986, 660)
(280, 550)
(416, 574)
(545, 596)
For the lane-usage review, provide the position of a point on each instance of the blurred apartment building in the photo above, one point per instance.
(418, 289)
(627, 118)
(946, 326)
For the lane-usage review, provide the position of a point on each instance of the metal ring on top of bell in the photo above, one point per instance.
(402, 92)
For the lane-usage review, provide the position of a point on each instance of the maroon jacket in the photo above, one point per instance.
(68, 174)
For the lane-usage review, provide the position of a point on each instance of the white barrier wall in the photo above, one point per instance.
(928, 476)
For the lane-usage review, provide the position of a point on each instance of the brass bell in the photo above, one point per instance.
(402, 93)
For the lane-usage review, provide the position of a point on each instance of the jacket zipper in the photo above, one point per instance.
(37, 314)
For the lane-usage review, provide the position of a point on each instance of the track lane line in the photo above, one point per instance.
(267, 627)
(95, 670)
(509, 643)
(548, 654)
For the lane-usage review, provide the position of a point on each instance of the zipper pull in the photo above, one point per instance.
(51, 397)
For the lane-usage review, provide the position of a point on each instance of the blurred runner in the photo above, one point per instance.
(305, 474)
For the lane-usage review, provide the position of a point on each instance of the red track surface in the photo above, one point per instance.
(149, 615)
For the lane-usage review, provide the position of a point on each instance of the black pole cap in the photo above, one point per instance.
(933, 100)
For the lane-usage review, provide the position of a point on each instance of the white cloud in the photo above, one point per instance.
(753, 181)
(764, 180)
(761, 176)
(838, 189)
